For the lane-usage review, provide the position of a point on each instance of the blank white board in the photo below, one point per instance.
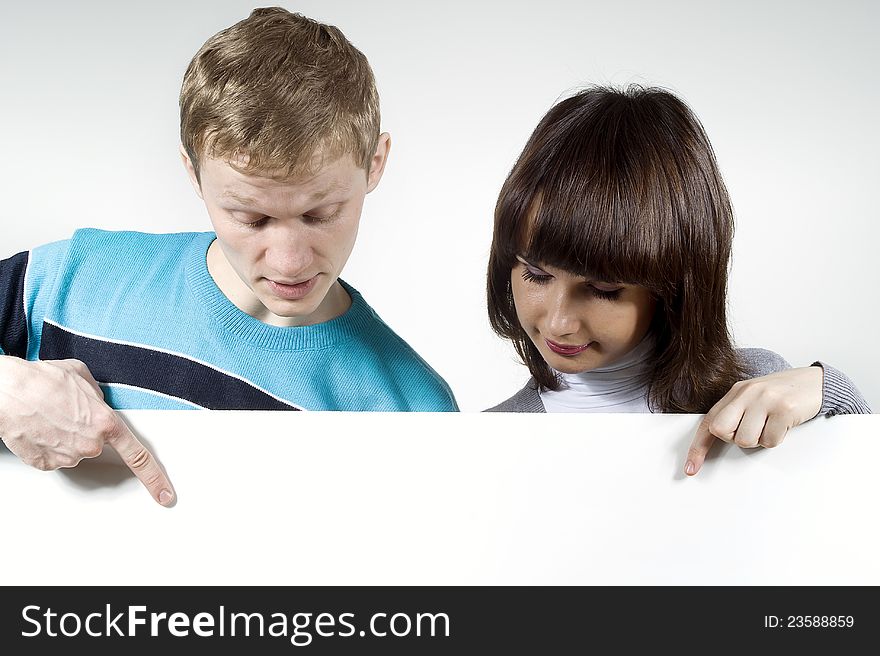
(267, 498)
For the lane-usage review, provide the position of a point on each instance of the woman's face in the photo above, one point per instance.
(578, 324)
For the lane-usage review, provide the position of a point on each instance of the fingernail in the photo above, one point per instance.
(690, 469)
(165, 497)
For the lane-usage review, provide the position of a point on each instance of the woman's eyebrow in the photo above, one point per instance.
(587, 279)
(526, 260)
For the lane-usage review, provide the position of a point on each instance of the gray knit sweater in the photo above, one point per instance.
(839, 394)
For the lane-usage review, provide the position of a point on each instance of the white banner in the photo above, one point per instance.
(434, 499)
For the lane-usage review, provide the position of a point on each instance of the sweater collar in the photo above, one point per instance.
(221, 310)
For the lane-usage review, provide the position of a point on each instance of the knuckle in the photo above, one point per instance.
(66, 462)
(140, 458)
(41, 463)
(92, 449)
(153, 479)
(106, 425)
(720, 430)
(12, 438)
(769, 394)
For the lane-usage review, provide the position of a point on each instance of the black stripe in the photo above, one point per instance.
(153, 370)
(13, 322)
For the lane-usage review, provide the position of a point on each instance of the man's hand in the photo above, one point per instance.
(53, 414)
(758, 412)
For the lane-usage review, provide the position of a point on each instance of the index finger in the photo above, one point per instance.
(700, 446)
(140, 461)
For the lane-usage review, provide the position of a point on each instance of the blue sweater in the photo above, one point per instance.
(143, 313)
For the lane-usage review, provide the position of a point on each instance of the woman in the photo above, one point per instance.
(608, 272)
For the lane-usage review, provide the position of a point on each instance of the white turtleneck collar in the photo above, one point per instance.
(618, 387)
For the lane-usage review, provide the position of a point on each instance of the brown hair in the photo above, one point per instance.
(274, 90)
(622, 185)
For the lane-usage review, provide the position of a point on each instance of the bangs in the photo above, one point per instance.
(609, 195)
(597, 234)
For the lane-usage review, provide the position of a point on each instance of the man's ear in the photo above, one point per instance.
(191, 171)
(377, 164)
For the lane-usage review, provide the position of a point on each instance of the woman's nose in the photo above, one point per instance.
(562, 317)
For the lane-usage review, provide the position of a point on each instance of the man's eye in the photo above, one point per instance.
(319, 218)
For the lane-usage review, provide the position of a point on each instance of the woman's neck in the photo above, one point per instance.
(618, 387)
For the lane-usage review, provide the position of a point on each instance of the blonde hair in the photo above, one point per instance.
(274, 91)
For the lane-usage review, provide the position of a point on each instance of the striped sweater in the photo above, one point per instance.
(143, 313)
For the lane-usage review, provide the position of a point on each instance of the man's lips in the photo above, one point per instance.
(566, 349)
(294, 291)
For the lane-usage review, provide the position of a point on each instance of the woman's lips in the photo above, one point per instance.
(566, 349)
(292, 292)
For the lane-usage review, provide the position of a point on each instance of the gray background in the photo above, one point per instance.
(786, 90)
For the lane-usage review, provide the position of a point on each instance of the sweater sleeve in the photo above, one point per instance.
(840, 396)
(27, 285)
(13, 318)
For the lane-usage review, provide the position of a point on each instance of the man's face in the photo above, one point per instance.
(281, 244)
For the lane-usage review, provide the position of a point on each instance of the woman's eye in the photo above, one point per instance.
(535, 275)
(606, 294)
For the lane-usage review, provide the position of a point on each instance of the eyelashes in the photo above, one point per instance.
(308, 218)
(531, 275)
(613, 295)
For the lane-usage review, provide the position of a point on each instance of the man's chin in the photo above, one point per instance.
(285, 309)
(288, 312)
(317, 306)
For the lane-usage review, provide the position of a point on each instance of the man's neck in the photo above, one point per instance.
(335, 303)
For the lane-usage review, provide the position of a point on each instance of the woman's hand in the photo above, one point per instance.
(758, 412)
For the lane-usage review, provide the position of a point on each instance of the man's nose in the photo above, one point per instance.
(289, 252)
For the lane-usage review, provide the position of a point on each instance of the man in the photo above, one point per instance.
(280, 138)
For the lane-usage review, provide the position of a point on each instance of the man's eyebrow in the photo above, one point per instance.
(244, 200)
(328, 191)
(317, 197)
